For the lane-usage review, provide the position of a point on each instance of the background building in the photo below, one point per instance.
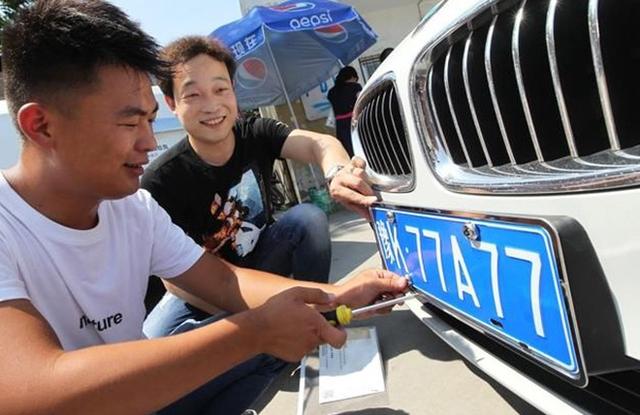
(392, 21)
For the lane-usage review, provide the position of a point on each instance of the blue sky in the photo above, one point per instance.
(167, 20)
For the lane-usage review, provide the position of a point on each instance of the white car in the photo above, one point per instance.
(503, 139)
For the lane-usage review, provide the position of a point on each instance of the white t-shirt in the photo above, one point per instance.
(90, 284)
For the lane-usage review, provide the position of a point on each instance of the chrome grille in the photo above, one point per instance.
(533, 96)
(380, 129)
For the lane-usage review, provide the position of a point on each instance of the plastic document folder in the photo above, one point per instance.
(336, 379)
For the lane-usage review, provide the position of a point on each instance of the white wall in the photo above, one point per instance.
(393, 22)
(9, 138)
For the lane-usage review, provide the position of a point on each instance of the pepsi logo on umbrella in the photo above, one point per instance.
(277, 62)
(335, 33)
(294, 7)
(252, 72)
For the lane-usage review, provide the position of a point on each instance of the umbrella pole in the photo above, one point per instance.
(281, 81)
(293, 117)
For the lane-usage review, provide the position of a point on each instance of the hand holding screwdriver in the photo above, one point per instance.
(343, 315)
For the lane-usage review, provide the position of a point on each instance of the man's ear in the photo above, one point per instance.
(171, 103)
(34, 123)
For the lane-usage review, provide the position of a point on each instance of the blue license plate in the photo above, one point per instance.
(499, 276)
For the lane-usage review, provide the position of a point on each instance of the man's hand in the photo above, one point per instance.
(290, 328)
(370, 286)
(350, 188)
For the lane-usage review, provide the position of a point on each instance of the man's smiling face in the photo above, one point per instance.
(102, 144)
(204, 100)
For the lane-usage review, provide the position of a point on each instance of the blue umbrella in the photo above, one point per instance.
(286, 50)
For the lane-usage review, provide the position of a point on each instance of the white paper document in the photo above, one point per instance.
(354, 370)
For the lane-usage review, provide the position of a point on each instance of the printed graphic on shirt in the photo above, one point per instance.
(241, 217)
(101, 324)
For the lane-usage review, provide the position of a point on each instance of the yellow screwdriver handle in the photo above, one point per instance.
(344, 315)
(341, 316)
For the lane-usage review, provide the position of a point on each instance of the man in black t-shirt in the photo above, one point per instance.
(223, 208)
(215, 182)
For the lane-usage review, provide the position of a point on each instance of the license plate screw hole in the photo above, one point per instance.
(391, 217)
(471, 231)
(496, 323)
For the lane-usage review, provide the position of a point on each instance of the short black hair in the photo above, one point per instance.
(56, 46)
(386, 52)
(186, 48)
(346, 73)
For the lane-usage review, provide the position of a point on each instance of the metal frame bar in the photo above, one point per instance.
(555, 76)
(492, 91)
(515, 50)
(601, 77)
(472, 108)
(447, 88)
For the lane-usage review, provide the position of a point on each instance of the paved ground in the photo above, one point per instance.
(423, 374)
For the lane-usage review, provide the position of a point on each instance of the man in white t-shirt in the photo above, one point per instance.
(78, 240)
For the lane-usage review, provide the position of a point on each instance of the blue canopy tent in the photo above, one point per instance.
(286, 50)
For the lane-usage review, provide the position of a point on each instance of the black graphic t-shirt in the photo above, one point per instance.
(223, 208)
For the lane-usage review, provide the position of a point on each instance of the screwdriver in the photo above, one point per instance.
(343, 315)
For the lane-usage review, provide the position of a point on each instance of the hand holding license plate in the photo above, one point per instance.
(499, 276)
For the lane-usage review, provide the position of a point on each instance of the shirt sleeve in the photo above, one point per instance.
(12, 287)
(173, 251)
(272, 132)
(152, 182)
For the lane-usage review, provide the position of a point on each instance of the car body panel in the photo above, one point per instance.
(607, 217)
(531, 390)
